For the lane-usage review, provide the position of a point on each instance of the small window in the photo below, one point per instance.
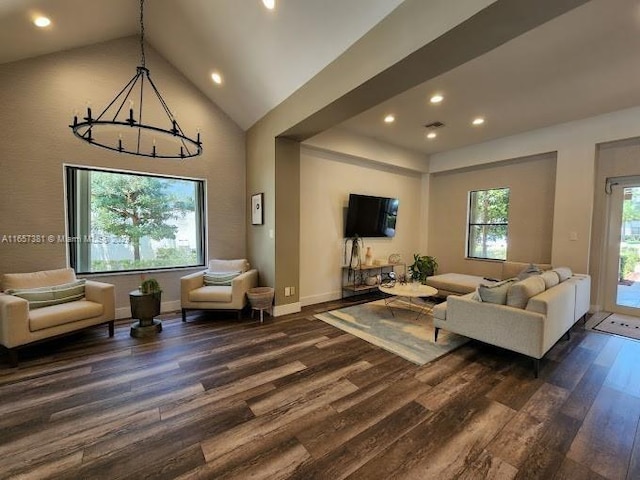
(122, 221)
(488, 224)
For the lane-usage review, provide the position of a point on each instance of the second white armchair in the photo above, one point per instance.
(222, 287)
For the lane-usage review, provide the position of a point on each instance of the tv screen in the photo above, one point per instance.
(369, 216)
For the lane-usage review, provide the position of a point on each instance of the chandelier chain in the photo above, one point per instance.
(142, 59)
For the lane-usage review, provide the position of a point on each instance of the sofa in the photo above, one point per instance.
(527, 316)
(41, 305)
(461, 283)
(223, 286)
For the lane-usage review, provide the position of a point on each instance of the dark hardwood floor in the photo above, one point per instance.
(296, 398)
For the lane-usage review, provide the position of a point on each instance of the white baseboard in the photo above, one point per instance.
(280, 310)
(323, 297)
(171, 306)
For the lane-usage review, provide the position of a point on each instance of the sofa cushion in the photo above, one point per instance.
(512, 269)
(521, 291)
(44, 278)
(550, 278)
(214, 293)
(62, 314)
(454, 282)
(564, 273)
(238, 265)
(219, 278)
(54, 295)
(496, 293)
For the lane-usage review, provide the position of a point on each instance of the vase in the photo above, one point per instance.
(368, 257)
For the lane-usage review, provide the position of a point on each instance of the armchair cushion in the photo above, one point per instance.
(45, 296)
(219, 278)
(240, 265)
(213, 293)
(45, 278)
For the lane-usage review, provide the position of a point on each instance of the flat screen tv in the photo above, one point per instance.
(369, 216)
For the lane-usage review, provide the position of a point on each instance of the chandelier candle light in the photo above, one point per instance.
(108, 128)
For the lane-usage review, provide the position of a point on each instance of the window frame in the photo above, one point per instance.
(470, 225)
(72, 236)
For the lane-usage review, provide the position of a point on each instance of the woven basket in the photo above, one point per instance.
(260, 297)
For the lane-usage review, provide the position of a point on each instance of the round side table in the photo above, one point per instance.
(261, 298)
(144, 307)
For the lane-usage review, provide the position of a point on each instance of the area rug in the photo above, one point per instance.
(404, 333)
(624, 325)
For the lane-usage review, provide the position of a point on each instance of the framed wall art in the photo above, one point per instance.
(257, 212)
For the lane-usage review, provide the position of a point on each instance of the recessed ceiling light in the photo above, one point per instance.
(478, 121)
(270, 4)
(41, 22)
(389, 119)
(216, 77)
(436, 98)
(432, 135)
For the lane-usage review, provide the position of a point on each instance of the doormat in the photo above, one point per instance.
(624, 325)
(405, 333)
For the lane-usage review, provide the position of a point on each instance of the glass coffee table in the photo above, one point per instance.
(410, 292)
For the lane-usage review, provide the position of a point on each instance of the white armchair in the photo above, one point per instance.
(39, 305)
(218, 291)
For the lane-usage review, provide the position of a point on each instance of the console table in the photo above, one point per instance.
(357, 283)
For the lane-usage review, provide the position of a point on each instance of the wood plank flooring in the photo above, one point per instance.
(218, 398)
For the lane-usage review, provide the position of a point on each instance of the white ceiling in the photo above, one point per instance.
(580, 64)
(264, 56)
(583, 63)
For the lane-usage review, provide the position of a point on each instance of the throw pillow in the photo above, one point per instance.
(529, 271)
(550, 278)
(54, 295)
(495, 293)
(564, 273)
(219, 278)
(520, 292)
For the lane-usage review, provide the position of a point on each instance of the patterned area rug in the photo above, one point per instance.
(404, 333)
(617, 324)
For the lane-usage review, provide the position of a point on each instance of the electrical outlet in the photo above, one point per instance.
(292, 290)
(287, 291)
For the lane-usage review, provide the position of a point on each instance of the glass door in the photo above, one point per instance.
(622, 289)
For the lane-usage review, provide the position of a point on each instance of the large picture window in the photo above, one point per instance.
(122, 221)
(488, 224)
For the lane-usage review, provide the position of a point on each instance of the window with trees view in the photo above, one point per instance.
(121, 221)
(488, 224)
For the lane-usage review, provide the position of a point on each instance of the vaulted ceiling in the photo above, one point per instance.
(583, 63)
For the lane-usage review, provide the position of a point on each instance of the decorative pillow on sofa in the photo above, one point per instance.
(550, 278)
(47, 296)
(219, 278)
(564, 273)
(520, 292)
(529, 271)
(496, 293)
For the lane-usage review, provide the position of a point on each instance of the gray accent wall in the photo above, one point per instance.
(38, 97)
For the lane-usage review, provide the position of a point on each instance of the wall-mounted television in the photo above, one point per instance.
(369, 216)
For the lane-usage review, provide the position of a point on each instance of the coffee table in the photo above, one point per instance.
(408, 291)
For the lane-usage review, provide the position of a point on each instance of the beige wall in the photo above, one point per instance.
(38, 97)
(531, 182)
(326, 180)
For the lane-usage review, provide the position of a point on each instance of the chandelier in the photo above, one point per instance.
(121, 128)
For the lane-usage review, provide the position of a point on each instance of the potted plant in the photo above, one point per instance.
(422, 267)
(145, 304)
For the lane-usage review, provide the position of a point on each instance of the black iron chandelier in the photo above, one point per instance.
(114, 130)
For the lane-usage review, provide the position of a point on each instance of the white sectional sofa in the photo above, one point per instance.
(530, 326)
